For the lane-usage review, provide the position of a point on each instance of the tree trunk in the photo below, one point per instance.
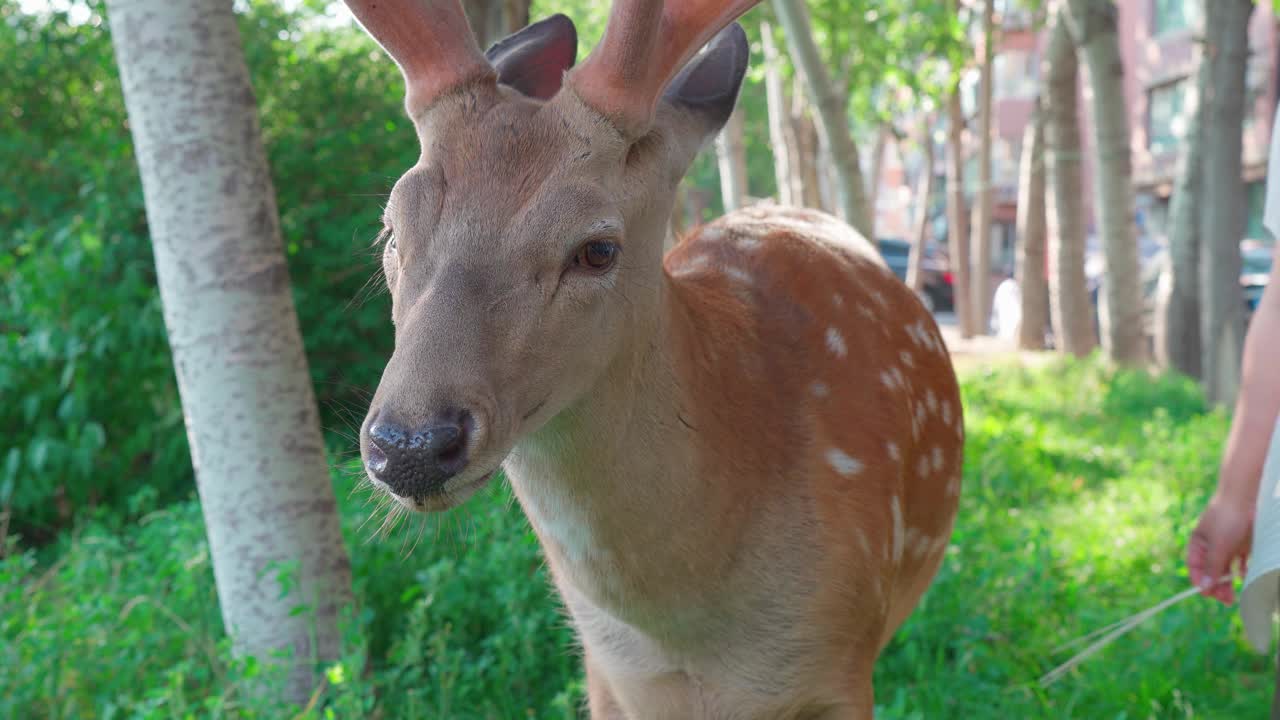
(731, 152)
(1177, 321)
(1071, 312)
(876, 170)
(1095, 27)
(492, 20)
(957, 227)
(1222, 215)
(980, 278)
(1032, 283)
(780, 138)
(246, 393)
(805, 183)
(924, 188)
(831, 112)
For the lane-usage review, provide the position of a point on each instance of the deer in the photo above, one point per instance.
(741, 456)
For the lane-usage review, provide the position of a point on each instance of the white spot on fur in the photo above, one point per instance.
(946, 411)
(835, 342)
(862, 540)
(692, 266)
(868, 313)
(931, 399)
(937, 458)
(917, 542)
(747, 242)
(894, 452)
(886, 377)
(819, 389)
(843, 463)
(922, 467)
(838, 300)
(898, 376)
(879, 298)
(896, 508)
(953, 487)
(738, 274)
(907, 359)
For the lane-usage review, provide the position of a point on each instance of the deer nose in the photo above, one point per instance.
(417, 462)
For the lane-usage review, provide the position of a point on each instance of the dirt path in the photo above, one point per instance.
(983, 350)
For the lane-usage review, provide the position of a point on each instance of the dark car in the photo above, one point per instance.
(939, 292)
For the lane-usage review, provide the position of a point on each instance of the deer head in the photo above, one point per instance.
(523, 251)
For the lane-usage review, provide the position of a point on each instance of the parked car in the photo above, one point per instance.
(939, 290)
(1256, 260)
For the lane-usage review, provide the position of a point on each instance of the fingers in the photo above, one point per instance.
(1197, 559)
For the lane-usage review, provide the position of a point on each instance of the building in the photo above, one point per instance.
(1156, 46)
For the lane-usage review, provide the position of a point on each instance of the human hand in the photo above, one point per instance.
(1222, 536)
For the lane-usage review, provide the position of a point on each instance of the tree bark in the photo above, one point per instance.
(831, 111)
(1071, 313)
(876, 170)
(780, 139)
(1222, 215)
(246, 393)
(1030, 270)
(924, 188)
(980, 277)
(1177, 321)
(731, 154)
(1095, 26)
(492, 20)
(957, 225)
(805, 182)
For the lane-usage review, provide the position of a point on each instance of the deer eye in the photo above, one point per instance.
(597, 255)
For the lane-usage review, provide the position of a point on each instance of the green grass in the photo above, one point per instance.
(1081, 487)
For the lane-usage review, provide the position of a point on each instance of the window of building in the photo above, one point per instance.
(1015, 75)
(1166, 123)
(1173, 15)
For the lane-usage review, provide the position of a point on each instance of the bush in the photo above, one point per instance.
(91, 409)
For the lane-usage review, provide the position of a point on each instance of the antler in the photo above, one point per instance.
(645, 43)
(431, 42)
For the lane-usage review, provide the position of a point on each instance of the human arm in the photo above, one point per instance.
(1225, 529)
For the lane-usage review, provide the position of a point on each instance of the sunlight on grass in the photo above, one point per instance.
(1081, 487)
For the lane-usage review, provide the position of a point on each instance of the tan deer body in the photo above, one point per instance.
(784, 486)
(743, 461)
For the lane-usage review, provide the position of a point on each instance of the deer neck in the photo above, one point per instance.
(611, 484)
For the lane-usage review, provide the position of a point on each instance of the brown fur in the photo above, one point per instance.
(742, 462)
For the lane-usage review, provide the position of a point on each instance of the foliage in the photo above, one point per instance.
(121, 620)
(1080, 487)
(84, 366)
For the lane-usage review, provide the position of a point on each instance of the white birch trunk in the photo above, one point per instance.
(1070, 310)
(830, 106)
(1222, 205)
(246, 393)
(1030, 271)
(957, 225)
(779, 109)
(983, 199)
(731, 156)
(1096, 30)
(1177, 315)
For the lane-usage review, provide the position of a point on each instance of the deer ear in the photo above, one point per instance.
(708, 85)
(534, 60)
